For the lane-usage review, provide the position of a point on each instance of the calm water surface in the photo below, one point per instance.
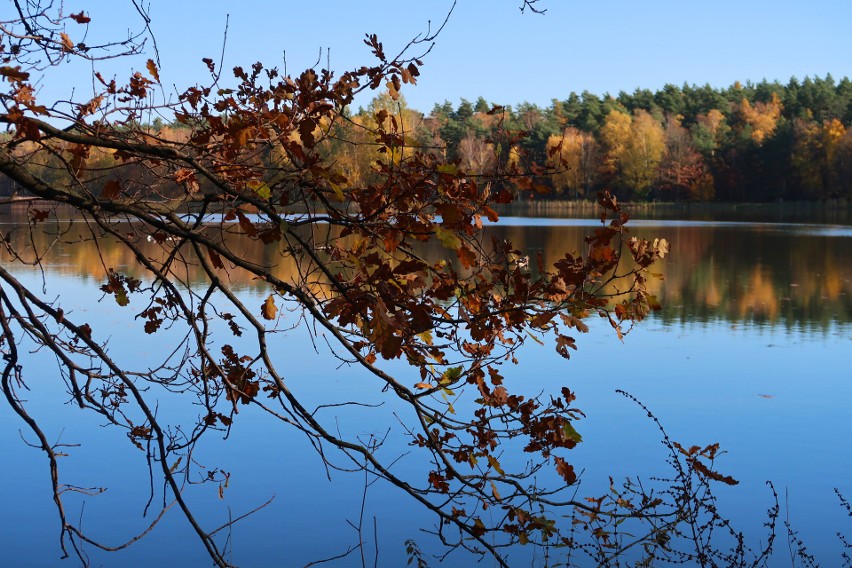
(751, 350)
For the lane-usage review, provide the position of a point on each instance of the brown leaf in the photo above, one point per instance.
(14, 73)
(215, 258)
(269, 309)
(80, 18)
(450, 214)
(490, 213)
(246, 225)
(566, 470)
(86, 331)
(466, 256)
(563, 343)
(306, 132)
(152, 69)
(38, 215)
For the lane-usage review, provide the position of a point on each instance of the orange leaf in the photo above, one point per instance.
(67, 44)
(566, 470)
(268, 309)
(152, 69)
(467, 256)
(490, 213)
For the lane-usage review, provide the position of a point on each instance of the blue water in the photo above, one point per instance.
(774, 395)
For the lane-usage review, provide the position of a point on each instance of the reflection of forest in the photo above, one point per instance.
(758, 273)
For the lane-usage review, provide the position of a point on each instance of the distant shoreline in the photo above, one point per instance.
(819, 211)
(828, 210)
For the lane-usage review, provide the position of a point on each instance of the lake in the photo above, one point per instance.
(751, 351)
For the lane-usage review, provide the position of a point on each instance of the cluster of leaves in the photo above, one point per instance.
(256, 166)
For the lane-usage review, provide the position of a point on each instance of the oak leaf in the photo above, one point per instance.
(566, 470)
(80, 18)
(152, 69)
(14, 73)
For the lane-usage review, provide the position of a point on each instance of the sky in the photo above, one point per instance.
(489, 48)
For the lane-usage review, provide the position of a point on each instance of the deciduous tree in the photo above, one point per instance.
(682, 171)
(251, 169)
(573, 155)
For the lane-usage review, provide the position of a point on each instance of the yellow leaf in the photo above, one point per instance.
(448, 238)
(338, 193)
(424, 386)
(260, 188)
(67, 44)
(268, 310)
(492, 461)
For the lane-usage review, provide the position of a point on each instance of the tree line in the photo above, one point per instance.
(753, 142)
(746, 143)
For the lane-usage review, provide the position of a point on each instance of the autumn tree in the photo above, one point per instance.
(343, 254)
(709, 132)
(815, 155)
(615, 137)
(476, 154)
(759, 120)
(573, 157)
(682, 171)
(644, 153)
(634, 148)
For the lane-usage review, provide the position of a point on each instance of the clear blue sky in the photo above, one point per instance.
(490, 49)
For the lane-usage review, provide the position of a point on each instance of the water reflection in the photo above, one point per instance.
(749, 351)
(787, 274)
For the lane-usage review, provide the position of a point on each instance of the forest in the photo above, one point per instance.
(163, 256)
(763, 142)
(747, 143)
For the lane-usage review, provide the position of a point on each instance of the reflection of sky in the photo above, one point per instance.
(776, 399)
(782, 228)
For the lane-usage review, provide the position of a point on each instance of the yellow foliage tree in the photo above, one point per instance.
(614, 135)
(573, 156)
(644, 152)
(762, 118)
